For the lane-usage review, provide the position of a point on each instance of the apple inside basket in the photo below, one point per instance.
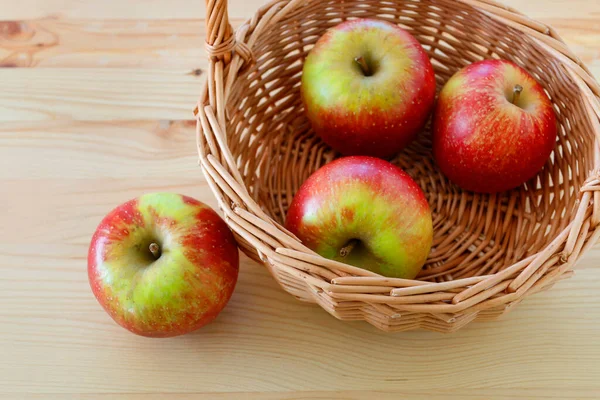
(512, 241)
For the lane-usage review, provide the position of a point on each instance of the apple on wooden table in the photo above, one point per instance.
(494, 127)
(163, 264)
(368, 88)
(366, 212)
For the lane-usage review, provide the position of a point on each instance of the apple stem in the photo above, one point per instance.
(344, 251)
(517, 93)
(362, 63)
(155, 250)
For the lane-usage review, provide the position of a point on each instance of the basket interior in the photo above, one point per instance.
(475, 234)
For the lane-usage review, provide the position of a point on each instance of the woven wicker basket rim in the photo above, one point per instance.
(352, 293)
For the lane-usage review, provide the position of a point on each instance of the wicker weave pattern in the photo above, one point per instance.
(489, 251)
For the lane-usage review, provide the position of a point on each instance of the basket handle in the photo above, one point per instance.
(220, 40)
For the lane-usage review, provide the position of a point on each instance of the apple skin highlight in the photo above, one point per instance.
(378, 114)
(182, 289)
(481, 140)
(370, 204)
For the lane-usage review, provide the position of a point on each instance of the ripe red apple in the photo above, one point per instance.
(365, 212)
(494, 127)
(368, 88)
(163, 264)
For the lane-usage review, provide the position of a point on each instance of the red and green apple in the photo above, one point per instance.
(163, 264)
(494, 127)
(368, 88)
(366, 212)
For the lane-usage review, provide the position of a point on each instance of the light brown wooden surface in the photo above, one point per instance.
(95, 102)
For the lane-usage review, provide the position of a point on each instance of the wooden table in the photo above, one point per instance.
(96, 111)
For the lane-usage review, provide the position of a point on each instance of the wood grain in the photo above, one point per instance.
(117, 9)
(487, 394)
(54, 42)
(181, 9)
(147, 43)
(97, 94)
(98, 115)
(66, 175)
(173, 44)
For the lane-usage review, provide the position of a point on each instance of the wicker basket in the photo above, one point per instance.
(489, 251)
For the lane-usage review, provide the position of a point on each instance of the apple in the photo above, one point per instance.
(365, 212)
(368, 88)
(163, 264)
(494, 127)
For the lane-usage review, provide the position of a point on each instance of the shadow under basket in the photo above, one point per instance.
(489, 251)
